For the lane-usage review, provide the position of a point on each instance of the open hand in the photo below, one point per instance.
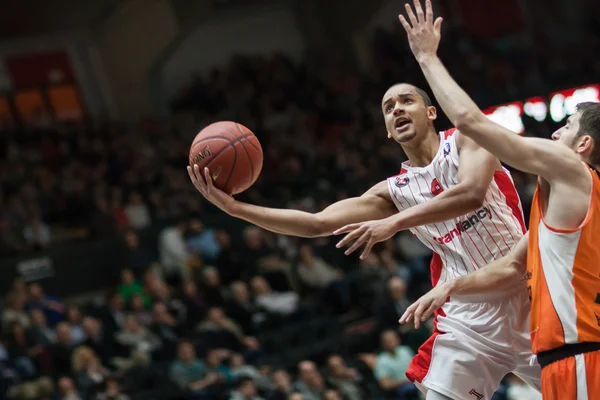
(204, 185)
(368, 233)
(422, 309)
(423, 33)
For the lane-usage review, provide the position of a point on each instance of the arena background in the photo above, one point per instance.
(99, 101)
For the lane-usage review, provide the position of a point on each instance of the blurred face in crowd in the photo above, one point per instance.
(63, 333)
(336, 365)
(282, 380)
(132, 240)
(186, 352)
(309, 374)
(213, 358)
(248, 389)
(397, 288)
(239, 291)
(36, 292)
(91, 327)
(259, 285)
(296, 396)
(211, 277)
(38, 318)
(216, 316)
(407, 117)
(332, 395)
(236, 361)
(127, 277)
(389, 341)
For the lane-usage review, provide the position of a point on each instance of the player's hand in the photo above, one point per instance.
(423, 33)
(422, 309)
(368, 233)
(204, 185)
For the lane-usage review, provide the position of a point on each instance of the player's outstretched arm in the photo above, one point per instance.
(475, 173)
(541, 157)
(497, 276)
(373, 204)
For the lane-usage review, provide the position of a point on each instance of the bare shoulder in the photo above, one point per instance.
(380, 190)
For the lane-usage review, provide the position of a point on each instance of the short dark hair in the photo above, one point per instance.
(420, 92)
(424, 95)
(589, 124)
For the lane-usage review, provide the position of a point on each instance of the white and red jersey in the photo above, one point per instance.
(468, 242)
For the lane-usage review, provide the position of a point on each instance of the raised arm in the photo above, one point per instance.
(541, 157)
(475, 173)
(373, 204)
(497, 276)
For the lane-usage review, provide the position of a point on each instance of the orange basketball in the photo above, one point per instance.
(232, 154)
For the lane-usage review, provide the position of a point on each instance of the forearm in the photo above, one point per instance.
(450, 204)
(500, 275)
(286, 222)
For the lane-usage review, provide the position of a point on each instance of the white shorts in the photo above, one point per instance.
(474, 346)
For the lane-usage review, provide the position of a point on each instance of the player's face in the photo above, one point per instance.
(405, 113)
(567, 135)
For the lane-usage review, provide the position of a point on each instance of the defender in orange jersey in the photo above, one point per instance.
(559, 259)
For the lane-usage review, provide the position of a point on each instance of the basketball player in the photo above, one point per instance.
(460, 202)
(560, 256)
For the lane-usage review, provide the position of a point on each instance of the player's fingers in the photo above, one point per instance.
(346, 229)
(404, 23)
(367, 249)
(428, 11)
(191, 174)
(405, 317)
(351, 236)
(411, 15)
(432, 308)
(356, 244)
(419, 312)
(437, 25)
(419, 9)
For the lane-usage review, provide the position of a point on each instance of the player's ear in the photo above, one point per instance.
(431, 113)
(584, 144)
(389, 134)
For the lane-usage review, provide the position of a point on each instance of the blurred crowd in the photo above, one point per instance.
(212, 312)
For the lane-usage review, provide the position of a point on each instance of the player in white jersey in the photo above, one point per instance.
(459, 201)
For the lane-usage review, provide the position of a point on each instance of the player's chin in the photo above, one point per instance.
(405, 137)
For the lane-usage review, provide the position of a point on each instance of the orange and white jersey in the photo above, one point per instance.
(468, 242)
(563, 272)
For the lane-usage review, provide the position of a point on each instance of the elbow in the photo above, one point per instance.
(318, 227)
(466, 120)
(474, 198)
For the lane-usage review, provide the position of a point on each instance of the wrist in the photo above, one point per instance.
(426, 58)
(233, 208)
(452, 286)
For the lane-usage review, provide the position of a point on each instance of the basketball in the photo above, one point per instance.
(232, 154)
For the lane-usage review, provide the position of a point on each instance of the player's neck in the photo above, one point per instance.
(423, 153)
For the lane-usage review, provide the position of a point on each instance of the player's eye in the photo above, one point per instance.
(408, 101)
(389, 109)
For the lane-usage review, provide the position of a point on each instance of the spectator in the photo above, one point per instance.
(211, 287)
(282, 303)
(67, 390)
(240, 308)
(97, 340)
(139, 258)
(88, 370)
(62, 350)
(189, 372)
(203, 241)
(15, 311)
(391, 310)
(135, 337)
(39, 332)
(139, 309)
(130, 286)
(52, 307)
(73, 318)
(137, 212)
(283, 385)
(345, 380)
(193, 302)
(37, 234)
(245, 390)
(112, 391)
(174, 255)
(310, 382)
(112, 314)
(391, 366)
